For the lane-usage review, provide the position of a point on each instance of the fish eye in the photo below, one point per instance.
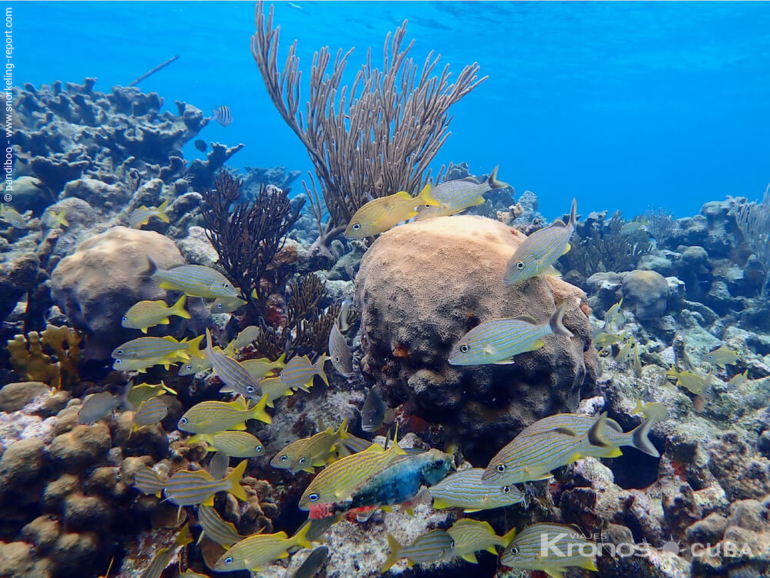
(506, 489)
(228, 560)
(337, 358)
(514, 550)
(258, 449)
(520, 265)
(227, 285)
(356, 226)
(125, 318)
(302, 460)
(250, 388)
(188, 366)
(284, 458)
(439, 463)
(313, 497)
(501, 468)
(118, 361)
(119, 352)
(465, 348)
(183, 421)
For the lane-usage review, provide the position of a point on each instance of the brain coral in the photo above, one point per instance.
(422, 286)
(97, 284)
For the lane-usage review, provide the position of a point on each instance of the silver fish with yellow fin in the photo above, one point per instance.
(149, 412)
(432, 547)
(233, 374)
(300, 371)
(722, 357)
(470, 536)
(216, 529)
(526, 551)
(234, 444)
(191, 488)
(307, 454)
(244, 338)
(466, 490)
(156, 348)
(13, 217)
(273, 388)
(500, 340)
(146, 314)
(652, 410)
(149, 481)
(259, 550)
(691, 381)
(194, 280)
(210, 417)
(312, 564)
(259, 368)
(457, 195)
(165, 555)
(142, 215)
(380, 215)
(537, 254)
(226, 304)
(143, 364)
(144, 391)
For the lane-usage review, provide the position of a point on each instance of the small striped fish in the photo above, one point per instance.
(235, 444)
(197, 364)
(156, 348)
(307, 454)
(216, 529)
(500, 340)
(96, 407)
(466, 490)
(527, 552)
(470, 536)
(214, 416)
(299, 372)
(144, 391)
(233, 374)
(257, 551)
(434, 546)
(218, 465)
(146, 314)
(142, 215)
(149, 413)
(340, 353)
(195, 280)
(379, 215)
(458, 195)
(337, 481)
(226, 304)
(188, 488)
(148, 481)
(244, 338)
(312, 563)
(537, 254)
(259, 368)
(273, 388)
(165, 555)
(222, 115)
(142, 365)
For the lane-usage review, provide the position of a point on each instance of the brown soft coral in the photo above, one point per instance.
(58, 367)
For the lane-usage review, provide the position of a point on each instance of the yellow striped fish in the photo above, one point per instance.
(144, 391)
(337, 481)
(340, 353)
(500, 340)
(226, 304)
(379, 215)
(188, 488)
(537, 254)
(216, 529)
(273, 388)
(165, 555)
(244, 338)
(12, 216)
(218, 465)
(312, 564)
(222, 115)
(149, 413)
(259, 550)
(534, 453)
(146, 314)
(234, 444)
(142, 215)
(307, 454)
(470, 536)
(652, 410)
(214, 416)
(458, 195)
(197, 364)
(259, 368)
(233, 374)
(432, 547)
(195, 280)
(526, 551)
(148, 481)
(466, 490)
(299, 372)
(142, 365)
(157, 348)
(59, 218)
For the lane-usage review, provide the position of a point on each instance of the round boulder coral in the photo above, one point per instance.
(647, 293)
(97, 284)
(422, 286)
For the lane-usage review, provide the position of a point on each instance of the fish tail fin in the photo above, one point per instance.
(258, 412)
(342, 431)
(281, 361)
(234, 479)
(184, 537)
(440, 504)
(152, 268)
(508, 537)
(492, 181)
(395, 551)
(573, 215)
(301, 539)
(426, 198)
(320, 368)
(589, 564)
(194, 345)
(555, 322)
(178, 308)
(639, 407)
(640, 441)
(596, 435)
(162, 212)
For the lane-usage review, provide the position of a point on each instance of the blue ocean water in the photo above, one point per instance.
(623, 105)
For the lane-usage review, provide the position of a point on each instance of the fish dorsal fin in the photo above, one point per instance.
(469, 180)
(558, 223)
(403, 195)
(527, 319)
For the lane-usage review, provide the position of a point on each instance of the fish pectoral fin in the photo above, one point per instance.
(508, 361)
(164, 322)
(479, 201)
(471, 557)
(551, 271)
(567, 249)
(538, 344)
(283, 554)
(492, 550)
(240, 427)
(166, 285)
(144, 330)
(208, 501)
